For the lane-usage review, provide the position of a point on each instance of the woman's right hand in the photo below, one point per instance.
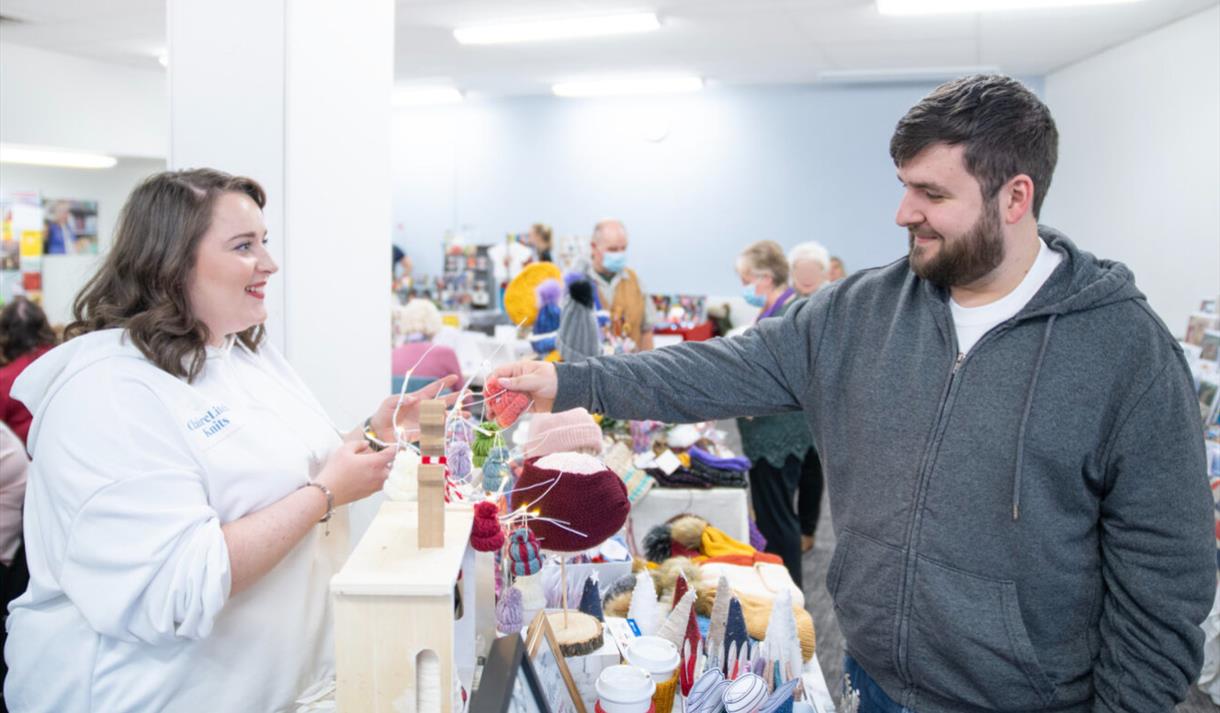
(353, 471)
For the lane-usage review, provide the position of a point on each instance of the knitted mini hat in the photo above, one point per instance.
(563, 432)
(578, 334)
(576, 490)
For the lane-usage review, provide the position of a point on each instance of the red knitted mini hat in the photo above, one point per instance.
(588, 498)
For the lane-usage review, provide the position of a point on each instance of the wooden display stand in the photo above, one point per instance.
(407, 600)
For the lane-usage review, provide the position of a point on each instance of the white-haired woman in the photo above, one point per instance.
(418, 322)
(808, 267)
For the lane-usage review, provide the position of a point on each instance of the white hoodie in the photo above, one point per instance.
(134, 472)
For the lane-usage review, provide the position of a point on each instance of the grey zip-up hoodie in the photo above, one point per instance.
(1026, 528)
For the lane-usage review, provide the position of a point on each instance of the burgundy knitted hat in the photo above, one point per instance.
(563, 432)
(588, 498)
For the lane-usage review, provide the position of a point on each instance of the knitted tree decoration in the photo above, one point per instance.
(690, 653)
(486, 534)
(644, 609)
(483, 442)
(781, 645)
(674, 627)
(680, 588)
(546, 325)
(590, 602)
(720, 616)
(504, 406)
(495, 469)
(509, 612)
(576, 490)
(524, 555)
(735, 635)
(532, 596)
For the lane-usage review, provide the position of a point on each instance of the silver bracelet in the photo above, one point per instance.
(330, 499)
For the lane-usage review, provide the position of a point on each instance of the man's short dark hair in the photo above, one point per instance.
(1005, 129)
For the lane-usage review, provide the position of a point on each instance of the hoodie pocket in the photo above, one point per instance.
(969, 643)
(863, 581)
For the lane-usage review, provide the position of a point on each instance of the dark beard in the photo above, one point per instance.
(966, 259)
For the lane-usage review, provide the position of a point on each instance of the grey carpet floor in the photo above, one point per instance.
(830, 639)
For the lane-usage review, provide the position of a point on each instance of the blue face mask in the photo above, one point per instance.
(751, 297)
(614, 262)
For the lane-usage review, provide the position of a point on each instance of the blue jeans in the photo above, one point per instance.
(872, 698)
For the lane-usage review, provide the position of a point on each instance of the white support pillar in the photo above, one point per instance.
(296, 94)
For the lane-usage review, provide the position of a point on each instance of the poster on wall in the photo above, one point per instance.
(21, 245)
(71, 226)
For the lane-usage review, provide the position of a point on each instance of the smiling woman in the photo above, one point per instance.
(181, 470)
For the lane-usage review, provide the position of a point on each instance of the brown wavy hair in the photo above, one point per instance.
(142, 284)
(23, 328)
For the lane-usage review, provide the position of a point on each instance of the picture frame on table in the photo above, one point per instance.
(509, 683)
(1209, 398)
(1197, 325)
(551, 667)
(1209, 346)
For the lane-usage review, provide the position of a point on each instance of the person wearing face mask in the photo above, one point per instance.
(625, 312)
(777, 445)
(1012, 436)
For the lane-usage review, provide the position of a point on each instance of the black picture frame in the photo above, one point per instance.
(507, 661)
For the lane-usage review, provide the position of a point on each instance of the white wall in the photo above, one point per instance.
(1139, 161)
(53, 99)
(64, 275)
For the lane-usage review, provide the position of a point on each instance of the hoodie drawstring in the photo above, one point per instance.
(1029, 402)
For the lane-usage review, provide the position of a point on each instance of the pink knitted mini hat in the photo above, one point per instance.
(563, 432)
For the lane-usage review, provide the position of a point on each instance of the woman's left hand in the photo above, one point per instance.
(408, 413)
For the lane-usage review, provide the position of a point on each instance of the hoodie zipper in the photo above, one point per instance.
(929, 458)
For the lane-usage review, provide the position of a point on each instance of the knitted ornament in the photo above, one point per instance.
(571, 431)
(579, 337)
(486, 534)
(402, 485)
(674, 627)
(495, 469)
(546, 324)
(523, 553)
(484, 441)
(457, 457)
(590, 602)
(644, 609)
(510, 612)
(781, 645)
(521, 298)
(576, 490)
(502, 405)
(746, 694)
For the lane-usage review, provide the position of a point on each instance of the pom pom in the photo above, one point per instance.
(402, 485)
(590, 602)
(581, 292)
(549, 293)
(457, 456)
(502, 405)
(483, 440)
(619, 593)
(532, 596)
(486, 535)
(658, 544)
(523, 553)
(510, 612)
(495, 469)
(687, 530)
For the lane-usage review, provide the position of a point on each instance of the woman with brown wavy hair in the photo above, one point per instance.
(25, 335)
(179, 507)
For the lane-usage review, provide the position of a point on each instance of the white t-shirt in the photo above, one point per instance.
(971, 323)
(134, 473)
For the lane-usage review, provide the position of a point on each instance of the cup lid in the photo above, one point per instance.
(625, 684)
(653, 654)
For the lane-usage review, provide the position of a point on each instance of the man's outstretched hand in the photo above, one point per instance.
(537, 379)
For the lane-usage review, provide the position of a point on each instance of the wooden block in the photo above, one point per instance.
(431, 524)
(432, 428)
